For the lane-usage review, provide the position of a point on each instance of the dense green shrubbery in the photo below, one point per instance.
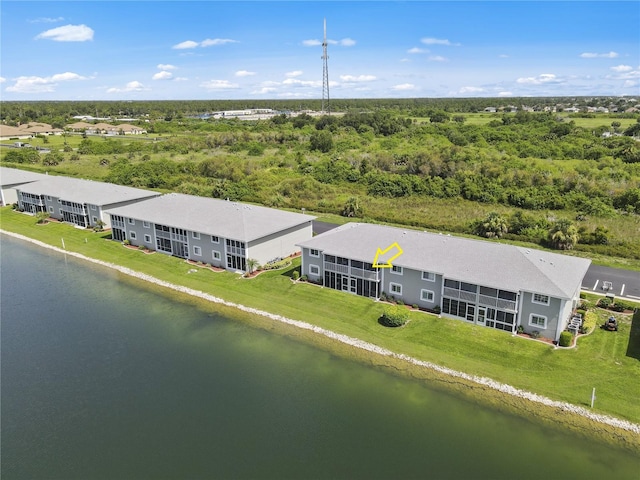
(394, 316)
(566, 339)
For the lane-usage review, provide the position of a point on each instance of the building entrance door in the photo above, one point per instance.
(353, 285)
(345, 283)
(482, 313)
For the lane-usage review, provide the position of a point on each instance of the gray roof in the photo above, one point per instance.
(480, 262)
(14, 176)
(238, 221)
(86, 191)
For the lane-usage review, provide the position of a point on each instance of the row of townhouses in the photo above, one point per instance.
(486, 283)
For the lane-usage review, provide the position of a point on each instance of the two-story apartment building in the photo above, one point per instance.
(485, 283)
(217, 232)
(11, 179)
(77, 201)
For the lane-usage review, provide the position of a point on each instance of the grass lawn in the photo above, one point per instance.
(608, 361)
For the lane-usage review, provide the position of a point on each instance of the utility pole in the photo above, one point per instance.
(326, 107)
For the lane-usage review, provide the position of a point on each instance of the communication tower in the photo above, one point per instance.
(326, 107)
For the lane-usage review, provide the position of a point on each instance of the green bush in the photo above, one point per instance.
(619, 306)
(535, 334)
(566, 339)
(295, 275)
(394, 316)
(581, 312)
(604, 303)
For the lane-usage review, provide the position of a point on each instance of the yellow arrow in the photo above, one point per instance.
(391, 259)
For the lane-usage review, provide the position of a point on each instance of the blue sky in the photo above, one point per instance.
(156, 50)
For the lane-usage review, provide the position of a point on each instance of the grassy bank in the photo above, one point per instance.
(608, 361)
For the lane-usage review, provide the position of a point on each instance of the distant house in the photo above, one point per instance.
(484, 283)
(12, 178)
(7, 132)
(80, 202)
(218, 232)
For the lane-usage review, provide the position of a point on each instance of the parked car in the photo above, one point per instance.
(611, 324)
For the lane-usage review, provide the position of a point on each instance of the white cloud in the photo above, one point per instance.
(311, 43)
(263, 91)
(216, 41)
(505, 94)
(503, 55)
(439, 41)
(630, 83)
(295, 73)
(358, 78)
(347, 42)
(163, 75)
(184, 45)
(465, 90)
(205, 43)
(542, 79)
(46, 20)
(68, 33)
(437, 58)
(2, 79)
(180, 79)
(599, 55)
(219, 85)
(133, 86)
(244, 73)
(622, 68)
(303, 83)
(61, 77)
(404, 87)
(166, 66)
(415, 50)
(34, 84)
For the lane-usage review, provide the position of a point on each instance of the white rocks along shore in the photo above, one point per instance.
(354, 342)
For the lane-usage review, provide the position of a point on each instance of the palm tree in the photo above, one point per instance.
(252, 265)
(352, 208)
(494, 226)
(42, 217)
(563, 235)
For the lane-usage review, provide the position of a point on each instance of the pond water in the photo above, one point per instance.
(103, 379)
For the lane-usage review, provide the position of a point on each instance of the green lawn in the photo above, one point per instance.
(608, 361)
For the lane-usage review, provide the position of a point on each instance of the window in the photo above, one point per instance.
(146, 225)
(427, 296)
(452, 284)
(50, 209)
(147, 238)
(95, 219)
(395, 288)
(314, 269)
(537, 321)
(541, 299)
(131, 221)
(197, 250)
(397, 270)
(429, 276)
(196, 235)
(216, 254)
(314, 253)
(94, 208)
(49, 197)
(132, 235)
(215, 239)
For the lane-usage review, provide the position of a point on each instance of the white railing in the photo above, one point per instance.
(334, 267)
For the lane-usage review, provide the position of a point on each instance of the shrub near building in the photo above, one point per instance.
(394, 316)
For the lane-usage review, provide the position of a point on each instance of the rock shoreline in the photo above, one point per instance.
(357, 343)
